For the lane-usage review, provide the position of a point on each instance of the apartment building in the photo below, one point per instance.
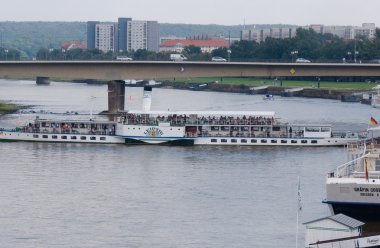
(125, 35)
(367, 30)
(106, 37)
(261, 34)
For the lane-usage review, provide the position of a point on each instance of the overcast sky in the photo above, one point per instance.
(226, 12)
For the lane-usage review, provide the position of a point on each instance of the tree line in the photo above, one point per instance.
(306, 44)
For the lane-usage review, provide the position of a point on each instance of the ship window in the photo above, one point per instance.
(45, 136)
(102, 138)
(314, 141)
(312, 129)
(73, 137)
(83, 137)
(243, 141)
(224, 141)
(377, 165)
(253, 141)
(214, 140)
(325, 129)
(234, 141)
(92, 138)
(304, 141)
(284, 141)
(276, 128)
(263, 141)
(273, 141)
(63, 137)
(294, 142)
(54, 137)
(255, 129)
(35, 136)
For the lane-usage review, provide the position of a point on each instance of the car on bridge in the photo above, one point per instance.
(302, 60)
(218, 59)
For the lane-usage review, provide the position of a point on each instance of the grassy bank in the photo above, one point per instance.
(8, 108)
(270, 82)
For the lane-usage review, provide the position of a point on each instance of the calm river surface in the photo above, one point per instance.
(76, 195)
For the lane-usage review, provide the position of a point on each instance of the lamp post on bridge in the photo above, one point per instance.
(294, 54)
(229, 55)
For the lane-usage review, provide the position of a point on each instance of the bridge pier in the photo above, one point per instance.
(116, 96)
(42, 80)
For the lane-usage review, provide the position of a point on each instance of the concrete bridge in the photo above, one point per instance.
(116, 71)
(120, 70)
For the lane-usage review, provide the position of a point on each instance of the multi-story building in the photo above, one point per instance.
(91, 34)
(123, 33)
(367, 30)
(106, 37)
(261, 34)
(126, 35)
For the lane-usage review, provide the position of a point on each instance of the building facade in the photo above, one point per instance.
(91, 34)
(125, 35)
(261, 34)
(367, 30)
(106, 37)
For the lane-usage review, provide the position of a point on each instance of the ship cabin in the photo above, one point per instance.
(70, 127)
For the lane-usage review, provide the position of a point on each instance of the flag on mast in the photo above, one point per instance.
(373, 122)
(299, 195)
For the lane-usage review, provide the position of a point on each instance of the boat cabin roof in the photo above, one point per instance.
(74, 121)
(310, 125)
(205, 113)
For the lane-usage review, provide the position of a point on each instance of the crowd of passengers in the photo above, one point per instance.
(66, 128)
(184, 119)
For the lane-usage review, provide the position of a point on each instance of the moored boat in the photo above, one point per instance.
(354, 187)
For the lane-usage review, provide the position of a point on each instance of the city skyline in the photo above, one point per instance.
(295, 12)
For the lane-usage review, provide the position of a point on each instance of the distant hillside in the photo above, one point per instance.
(29, 37)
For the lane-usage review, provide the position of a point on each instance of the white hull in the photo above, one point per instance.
(353, 190)
(60, 138)
(271, 141)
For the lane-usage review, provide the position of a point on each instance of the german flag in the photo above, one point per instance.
(373, 122)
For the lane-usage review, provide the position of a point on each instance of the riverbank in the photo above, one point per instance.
(309, 91)
(6, 108)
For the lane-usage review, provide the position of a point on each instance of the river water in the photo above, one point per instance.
(79, 195)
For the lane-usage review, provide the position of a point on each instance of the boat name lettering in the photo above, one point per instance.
(154, 132)
(361, 189)
(372, 241)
